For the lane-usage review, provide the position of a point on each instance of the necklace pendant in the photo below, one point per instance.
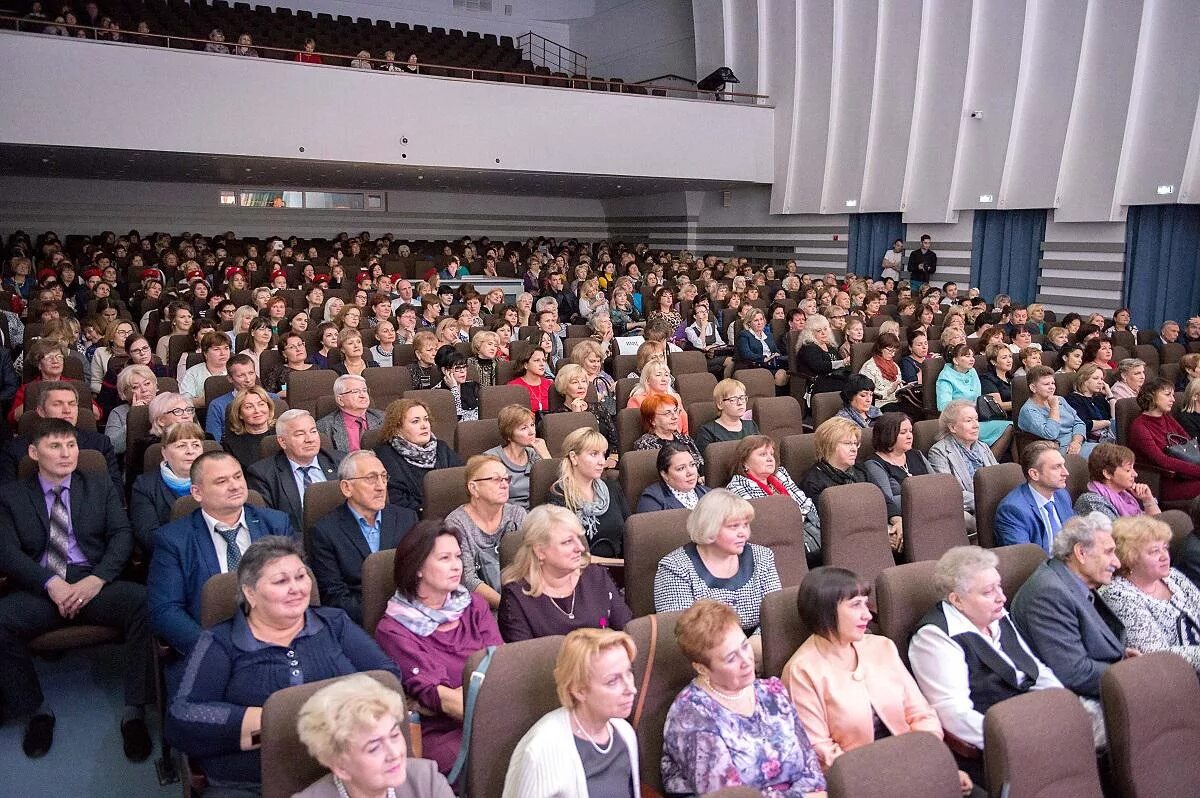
(571, 615)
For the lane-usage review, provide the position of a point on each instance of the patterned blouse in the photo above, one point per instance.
(706, 747)
(682, 580)
(1152, 624)
(652, 441)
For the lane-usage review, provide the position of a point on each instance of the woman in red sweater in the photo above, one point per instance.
(1148, 439)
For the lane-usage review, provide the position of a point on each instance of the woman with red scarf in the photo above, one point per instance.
(757, 473)
(883, 370)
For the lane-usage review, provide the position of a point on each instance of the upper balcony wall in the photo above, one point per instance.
(71, 92)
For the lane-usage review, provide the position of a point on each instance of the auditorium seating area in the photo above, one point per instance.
(1036, 742)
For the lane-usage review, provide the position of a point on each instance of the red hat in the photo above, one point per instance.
(278, 273)
(321, 278)
(152, 274)
(232, 270)
(45, 274)
(194, 273)
(90, 273)
(362, 277)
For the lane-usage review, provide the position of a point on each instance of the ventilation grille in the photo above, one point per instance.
(474, 5)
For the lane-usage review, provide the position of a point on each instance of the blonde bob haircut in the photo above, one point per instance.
(573, 668)
(584, 349)
(236, 425)
(714, 509)
(482, 337)
(832, 432)
(512, 417)
(129, 374)
(566, 373)
(726, 388)
(1132, 533)
(582, 440)
(335, 713)
(537, 532)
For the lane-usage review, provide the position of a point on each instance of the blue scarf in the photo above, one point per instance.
(180, 486)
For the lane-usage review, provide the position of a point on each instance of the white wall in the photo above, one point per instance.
(541, 129)
(637, 39)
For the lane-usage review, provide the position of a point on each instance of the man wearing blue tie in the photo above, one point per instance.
(363, 525)
(1035, 511)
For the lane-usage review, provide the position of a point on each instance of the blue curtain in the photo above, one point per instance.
(1162, 263)
(872, 234)
(1006, 247)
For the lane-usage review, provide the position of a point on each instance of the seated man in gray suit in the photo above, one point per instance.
(363, 525)
(1059, 611)
(283, 479)
(354, 416)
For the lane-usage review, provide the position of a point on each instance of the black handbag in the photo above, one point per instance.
(1182, 448)
(989, 409)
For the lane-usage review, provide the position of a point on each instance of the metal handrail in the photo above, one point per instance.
(132, 37)
(526, 42)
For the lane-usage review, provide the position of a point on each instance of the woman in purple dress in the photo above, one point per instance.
(727, 728)
(432, 625)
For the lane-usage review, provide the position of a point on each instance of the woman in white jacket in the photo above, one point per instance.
(585, 747)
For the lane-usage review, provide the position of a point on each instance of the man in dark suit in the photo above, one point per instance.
(282, 479)
(1061, 613)
(61, 400)
(1036, 510)
(64, 540)
(354, 416)
(208, 542)
(365, 524)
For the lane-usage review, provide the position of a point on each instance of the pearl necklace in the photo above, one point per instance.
(342, 793)
(611, 735)
(738, 696)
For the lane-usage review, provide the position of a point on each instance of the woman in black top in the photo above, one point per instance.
(837, 445)
(819, 357)
(997, 380)
(408, 450)
(598, 503)
(894, 461)
(1090, 401)
(251, 420)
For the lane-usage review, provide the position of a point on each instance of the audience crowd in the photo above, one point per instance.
(285, 420)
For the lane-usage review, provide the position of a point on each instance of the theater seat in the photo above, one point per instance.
(476, 437)
(516, 692)
(778, 525)
(778, 417)
(445, 490)
(1040, 744)
(1152, 714)
(287, 767)
(638, 470)
(1017, 564)
(824, 406)
(913, 765)
(719, 463)
(495, 398)
(557, 426)
(854, 529)
(648, 538)
(992, 484)
(931, 507)
(669, 672)
(903, 594)
(782, 629)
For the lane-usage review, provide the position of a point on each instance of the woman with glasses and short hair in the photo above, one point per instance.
(730, 423)
(483, 522)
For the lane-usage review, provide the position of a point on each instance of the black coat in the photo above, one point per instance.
(150, 507)
(338, 549)
(406, 482)
(273, 479)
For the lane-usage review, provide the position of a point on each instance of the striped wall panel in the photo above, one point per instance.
(1082, 275)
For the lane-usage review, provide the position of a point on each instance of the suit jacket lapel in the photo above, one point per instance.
(208, 551)
(327, 466)
(287, 479)
(389, 534)
(354, 531)
(34, 490)
(338, 434)
(1036, 510)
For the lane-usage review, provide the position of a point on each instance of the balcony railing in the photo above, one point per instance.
(335, 61)
(552, 55)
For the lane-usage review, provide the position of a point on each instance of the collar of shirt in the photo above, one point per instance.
(211, 522)
(48, 486)
(957, 623)
(297, 466)
(244, 639)
(362, 520)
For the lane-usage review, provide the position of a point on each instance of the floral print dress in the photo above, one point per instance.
(707, 747)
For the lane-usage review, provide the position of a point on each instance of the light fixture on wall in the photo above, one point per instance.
(715, 81)
(986, 198)
(1166, 190)
(851, 203)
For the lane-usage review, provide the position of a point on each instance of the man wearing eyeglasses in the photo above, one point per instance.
(209, 541)
(364, 524)
(354, 416)
(61, 400)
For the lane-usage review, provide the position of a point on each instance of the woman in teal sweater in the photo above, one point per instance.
(959, 380)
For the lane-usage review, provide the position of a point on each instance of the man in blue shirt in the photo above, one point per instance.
(363, 525)
(242, 374)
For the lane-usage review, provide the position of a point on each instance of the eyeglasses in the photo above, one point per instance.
(503, 480)
(139, 350)
(181, 412)
(355, 392)
(377, 477)
(737, 400)
(674, 411)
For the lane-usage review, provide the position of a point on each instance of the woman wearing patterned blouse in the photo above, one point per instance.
(720, 564)
(1159, 606)
(757, 473)
(661, 413)
(727, 728)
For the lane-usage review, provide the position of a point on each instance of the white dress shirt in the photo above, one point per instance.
(243, 537)
(940, 667)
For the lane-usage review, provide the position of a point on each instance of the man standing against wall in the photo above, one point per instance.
(922, 263)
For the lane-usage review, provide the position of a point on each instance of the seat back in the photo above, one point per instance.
(778, 524)
(719, 463)
(542, 476)
(1127, 410)
(1152, 713)
(629, 429)
(854, 529)
(1017, 563)
(778, 417)
(320, 499)
(903, 594)
(992, 484)
(557, 426)
(387, 383)
(916, 765)
(287, 767)
(638, 471)
(669, 674)
(378, 585)
(497, 397)
(824, 406)
(695, 387)
(760, 383)
(933, 521)
(305, 387)
(1040, 745)
(690, 362)
(930, 370)
(517, 691)
(445, 490)
(476, 437)
(925, 434)
(648, 538)
(782, 629)
(798, 453)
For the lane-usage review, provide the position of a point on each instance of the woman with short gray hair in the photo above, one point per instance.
(275, 640)
(960, 453)
(967, 654)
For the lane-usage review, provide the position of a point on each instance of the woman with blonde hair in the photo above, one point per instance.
(481, 366)
(594, 679)
(1159, 606)
(837, 443)
(549, 588)
(354, 727)
(656, 379)
(251, 420)
(819, 356)
(581, 488)
(588, 354)
(1189, 413)
(731, 423)
(112, 345)
(354, 359)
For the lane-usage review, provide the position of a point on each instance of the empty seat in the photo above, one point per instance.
(854, 529)
(778, 417)
(931, 507)
(913, 765)
(992, 484)
(648, 538)
(1152, 714)
(445, 490)
(476, 437)
(557, 426)
(1040, 744)
(824, 406)
(782, 629)
(658, 685)
(719, 463)
(903, 594)
(638, 470)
